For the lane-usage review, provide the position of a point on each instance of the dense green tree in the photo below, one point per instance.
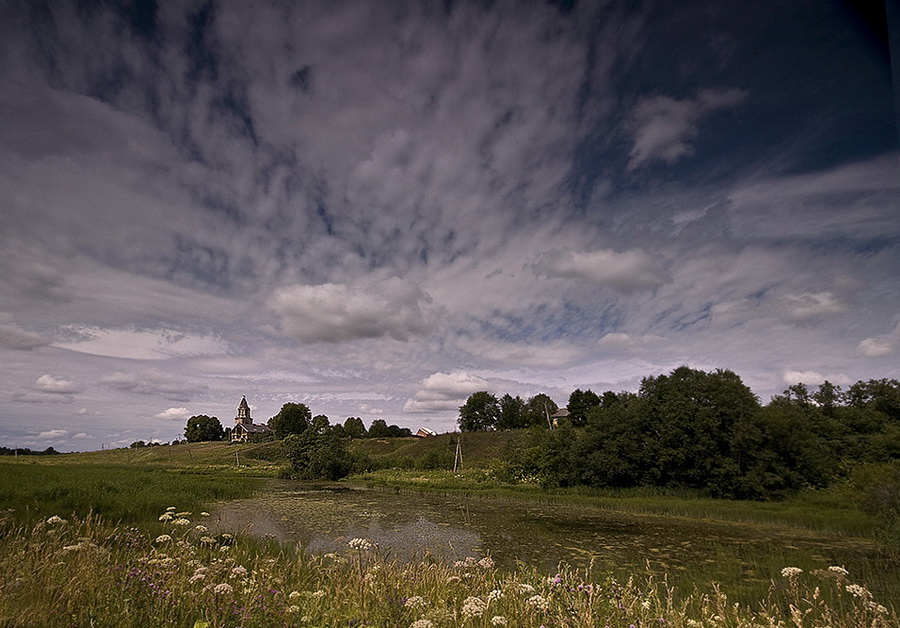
(293, 418)
(538, 409)
(320, 424)
(480, 412)
(201, 428)
(512, 413)
(580, 403)
(379, 429)
(318, 455)
(354, 427)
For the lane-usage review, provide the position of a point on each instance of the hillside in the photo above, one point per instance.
(479, 449)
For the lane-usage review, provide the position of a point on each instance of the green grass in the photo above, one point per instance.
(119, 492)
(831, 510)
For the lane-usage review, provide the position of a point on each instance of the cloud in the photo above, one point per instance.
(338, 312)
(664, 128)
(14, 337)
(879, 346)
(444, 391)
(52, 434)
(173, 414)
(810, 307)
(626, 271)
(158, 344)
(57, 386)
(155, 382)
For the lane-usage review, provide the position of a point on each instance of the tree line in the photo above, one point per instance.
(700, 430)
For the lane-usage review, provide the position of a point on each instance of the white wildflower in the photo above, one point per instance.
(207, 540)
(415, 602)
(422, 623)
(878, 608)
(55, 519)
(172, 508)
(163, 538)
(293, 596)
(791, 572)
(858, 591)
(645, 605)
(494, 595)
(165, 517)
(473, 607)
(363, 545)
(526, 589)
(538, 603)
(223, 589)
(204, 514)
(181, 521)
(486, 563)
(292, 609)
(201, 529)
(498, 620)
(839, 570)
(239, 571)
(318, 595)
(197, 577)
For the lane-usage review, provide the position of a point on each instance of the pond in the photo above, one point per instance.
(412, 526)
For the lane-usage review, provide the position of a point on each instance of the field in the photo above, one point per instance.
(121, 538)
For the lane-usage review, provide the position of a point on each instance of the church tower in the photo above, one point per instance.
(243, 413)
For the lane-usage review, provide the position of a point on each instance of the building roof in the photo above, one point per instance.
(252, 428)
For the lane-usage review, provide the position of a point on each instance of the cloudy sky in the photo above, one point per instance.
(378, 208)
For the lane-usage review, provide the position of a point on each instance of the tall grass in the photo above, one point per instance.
(121, 493)
(82, 572)
(825, 510)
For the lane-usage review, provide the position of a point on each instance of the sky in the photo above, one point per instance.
(379, 208)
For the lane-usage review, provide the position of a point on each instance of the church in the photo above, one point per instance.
(244, 429)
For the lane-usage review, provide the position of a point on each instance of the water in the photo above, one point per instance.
(412, 526)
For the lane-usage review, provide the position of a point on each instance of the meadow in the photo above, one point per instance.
(126, 539)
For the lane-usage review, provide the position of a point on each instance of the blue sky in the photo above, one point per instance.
(377, 209)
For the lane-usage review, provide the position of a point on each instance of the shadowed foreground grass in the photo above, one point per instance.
(82, 572)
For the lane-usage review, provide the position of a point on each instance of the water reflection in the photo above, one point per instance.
(322, 518)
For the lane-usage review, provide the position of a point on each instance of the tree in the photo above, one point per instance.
(580, 403)
(320, 424)
(538, 408)
(201, 428)
(512, 413)
(379, 429)
(354, 427)
(318, 455)
(293, 418)
(480, 412)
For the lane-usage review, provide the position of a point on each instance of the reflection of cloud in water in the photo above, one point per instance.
(414, 540)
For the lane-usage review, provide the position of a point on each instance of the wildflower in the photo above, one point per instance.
(171, 508)
(239, 571)
(791, 572)
(163, 538)
(839, 570)
(166, 516)
(645, 604)
(55, 520)
(196, 577)
(207, 540)
(538, 603)
(293, 596)
(498, 620)
(181, 521)
(554, 581)
(363, 545)
(317, 595)
(223, 589)
(858, 591)
(486, 563)
(494, 595)
(224, 548)
(201, 528)
(526, 589)
(473, 607)
(204, 514)
(292, 609)
(878, 608)
(453, 579)
(422, 623)
(183, 514)
(416, 602)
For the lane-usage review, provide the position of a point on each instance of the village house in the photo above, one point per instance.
(244, 428)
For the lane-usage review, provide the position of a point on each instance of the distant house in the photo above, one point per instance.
(424, 432)
(244, 429)
(562, 413)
